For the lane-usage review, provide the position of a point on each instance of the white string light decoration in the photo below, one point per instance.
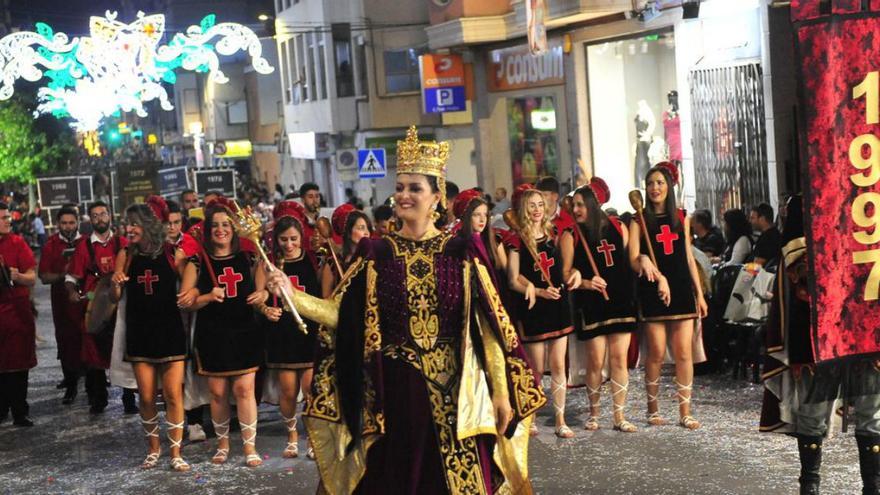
(119, 67)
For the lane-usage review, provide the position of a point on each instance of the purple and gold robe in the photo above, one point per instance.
(414, 348)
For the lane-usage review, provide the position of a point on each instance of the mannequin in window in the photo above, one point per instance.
(645, 125)
(672, 130)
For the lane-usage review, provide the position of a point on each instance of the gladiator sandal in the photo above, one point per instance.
(250, 460)
(222, 431)
(292, 449)
(624, 425)
(869, 463)
(558, 388)
(810, 453)
(177, 463)
(151, 429)
(686, 421)
(654, 418)
(592, 423)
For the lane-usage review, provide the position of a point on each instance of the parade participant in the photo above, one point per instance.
(604, 306)
(472, 216)
(561, 219)
(18, 353)
(189, 200)
(182, 244)
(670, 296)
(228, 347)
(184, 247)
(288, 350)
(155, 339)
(382, 219)
(407, 323)
(544, 320)
(93, 259)
(351, 226)
(66, 315)
(310, 196)
(801, 395)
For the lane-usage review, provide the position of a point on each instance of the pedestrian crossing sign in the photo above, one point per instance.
(371, 163)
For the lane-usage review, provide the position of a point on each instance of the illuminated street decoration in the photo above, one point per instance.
(119, 67)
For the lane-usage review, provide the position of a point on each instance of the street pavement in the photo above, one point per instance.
(71, 452)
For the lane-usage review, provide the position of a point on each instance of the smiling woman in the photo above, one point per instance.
(398, 374)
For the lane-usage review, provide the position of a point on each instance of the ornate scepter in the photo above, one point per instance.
(249, 226)
(568, 205)
(635, 199)
(326, 231)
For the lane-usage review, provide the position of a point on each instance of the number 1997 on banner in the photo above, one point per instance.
(866, 206)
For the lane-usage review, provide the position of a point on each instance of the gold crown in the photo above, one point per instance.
(421, 157)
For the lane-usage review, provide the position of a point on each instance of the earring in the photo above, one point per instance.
(435, 216)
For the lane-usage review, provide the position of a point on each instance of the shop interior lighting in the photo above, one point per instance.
(119, 67)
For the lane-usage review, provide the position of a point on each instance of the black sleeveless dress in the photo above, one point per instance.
(154, 327)
(548, 319)
(286, 346)
(228, 339)
(618, 313)
(670, 250)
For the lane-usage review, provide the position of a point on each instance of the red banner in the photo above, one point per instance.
(840, 106)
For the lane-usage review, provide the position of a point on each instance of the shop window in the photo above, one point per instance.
(360, 66)
(310, 65)
(320, 56)
(402, 70)
(534, 146)
(634, 117)
(285, 71)
(343, 59)
(302, 91)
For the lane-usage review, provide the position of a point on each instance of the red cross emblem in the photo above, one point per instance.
(294, 281)
(666, 237)
(147, 279)
(230, 281)
(544, 263)
(607, 249)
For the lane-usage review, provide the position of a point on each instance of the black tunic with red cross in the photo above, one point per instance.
(670, 250)
(154, 331)
(618, 313)
(548, 319)
(286, 346)
(228, 340)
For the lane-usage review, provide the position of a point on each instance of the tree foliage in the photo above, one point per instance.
(25, 150)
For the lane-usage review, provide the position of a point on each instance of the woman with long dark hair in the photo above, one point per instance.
(227, 344)
(604, 299)
(351, 225)
(289, 351)
(472, 214)
(545, 321)
(737, 237)
(155, 338)
(669, 293)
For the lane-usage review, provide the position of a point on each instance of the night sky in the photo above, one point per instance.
(72, 16)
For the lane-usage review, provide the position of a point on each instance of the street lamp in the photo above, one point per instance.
(263, 17)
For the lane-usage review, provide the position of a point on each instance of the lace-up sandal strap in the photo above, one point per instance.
(151, 426)
(151, 461)
(251, 430)
(555, 387)
(179, 465)
(682, 399)
(654, 383)
(621, 388)
(290, 423)
(221, 429)
(173, 426)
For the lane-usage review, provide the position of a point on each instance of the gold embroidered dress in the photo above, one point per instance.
(412, 350)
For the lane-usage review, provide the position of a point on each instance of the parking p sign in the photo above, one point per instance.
(443, 84)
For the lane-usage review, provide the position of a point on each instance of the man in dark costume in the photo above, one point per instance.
(801, 395)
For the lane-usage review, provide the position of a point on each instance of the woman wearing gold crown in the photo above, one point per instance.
(421, 385)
